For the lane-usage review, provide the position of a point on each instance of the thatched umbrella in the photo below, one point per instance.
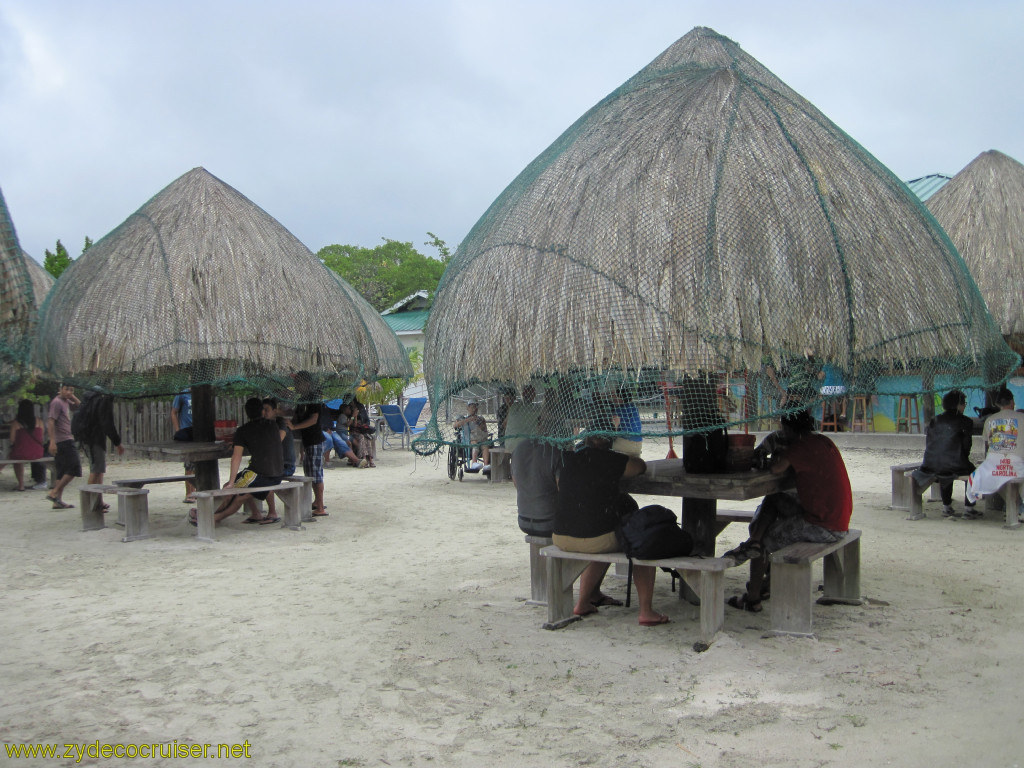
(982, 211)
(201, 286)
(704, 217)
(42, 281)
(17, 305)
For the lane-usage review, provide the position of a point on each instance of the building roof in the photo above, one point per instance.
(926, 186)
(415, 320)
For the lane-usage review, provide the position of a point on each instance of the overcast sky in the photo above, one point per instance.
(351, 121)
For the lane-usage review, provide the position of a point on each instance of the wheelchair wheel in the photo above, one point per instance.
(453, 461)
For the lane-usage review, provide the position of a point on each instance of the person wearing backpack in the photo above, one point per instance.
(590, 507)
(92, 425)
(61, 444)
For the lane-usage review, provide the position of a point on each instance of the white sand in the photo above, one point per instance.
(395, 633)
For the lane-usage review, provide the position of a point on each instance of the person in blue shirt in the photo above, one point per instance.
(181, 421)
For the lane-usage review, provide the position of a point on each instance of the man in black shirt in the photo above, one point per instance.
(589, 508)
(262, 438)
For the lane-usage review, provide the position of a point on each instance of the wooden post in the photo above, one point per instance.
(207, 472)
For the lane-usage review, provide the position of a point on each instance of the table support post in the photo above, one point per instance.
(699, 520)
(207, 472)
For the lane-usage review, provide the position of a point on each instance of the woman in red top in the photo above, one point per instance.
(820, 511)
(27, 443)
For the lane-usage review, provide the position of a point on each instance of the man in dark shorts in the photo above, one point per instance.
(820, 511)
(262, 438)
(308, 413)
(62, 445)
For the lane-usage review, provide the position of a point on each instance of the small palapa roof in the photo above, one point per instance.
(201, 286)
(982, 211)
(17, 305)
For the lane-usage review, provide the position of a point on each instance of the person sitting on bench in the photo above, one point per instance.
(263, 438)
(820, 512)
(947, 451)
(1004, 451)
(590, 506)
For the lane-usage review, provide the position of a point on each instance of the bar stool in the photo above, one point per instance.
(866, 418)
(907, 414)
(829, 421)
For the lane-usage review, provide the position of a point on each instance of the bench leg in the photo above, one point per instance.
(916, 505)
(306, 501)
(842, 576)
(1011, 495)
(134, 509)
(204, 517)
(291, 498)
(710, 587)
(538, 574)
(92, 512)
(791, 599)
(900, 492)
(562, 574)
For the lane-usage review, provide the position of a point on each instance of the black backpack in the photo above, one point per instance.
(652, 533)
(85, 422)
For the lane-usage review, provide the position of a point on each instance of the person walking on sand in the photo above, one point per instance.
(61, 444)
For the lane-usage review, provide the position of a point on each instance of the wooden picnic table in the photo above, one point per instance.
(700, 494)
(204, 454)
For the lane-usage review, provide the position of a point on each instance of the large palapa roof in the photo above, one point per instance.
(703, 216)
(201, 286)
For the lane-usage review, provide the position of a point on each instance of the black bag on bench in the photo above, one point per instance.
(651, 533)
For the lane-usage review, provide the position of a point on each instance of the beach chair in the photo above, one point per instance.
(399, 423)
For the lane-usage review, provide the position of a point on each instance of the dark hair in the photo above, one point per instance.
(1004, 396)
(26, 414)
(271, 401)
(254, 408)
(799, 422)
(952, 399)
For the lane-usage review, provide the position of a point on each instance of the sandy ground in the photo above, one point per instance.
(395, 633)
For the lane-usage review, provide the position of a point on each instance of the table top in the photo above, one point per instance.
(180, 450)
(666, 477)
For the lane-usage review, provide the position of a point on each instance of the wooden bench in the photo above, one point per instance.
(48, 460)
(538, 570)
(791, 587)
(915, 493)
(1009, 492)
(132, 507)
(706, 576)
(900, 484)
(305, 497)
(289, 493)
(140, 482)
(501, 465)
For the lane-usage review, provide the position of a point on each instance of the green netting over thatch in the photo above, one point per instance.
(701, 223)
(201, 286)
(17, 306)
(982, 211)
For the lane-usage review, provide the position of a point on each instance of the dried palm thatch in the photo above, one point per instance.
(201, 286)
(982, 211)
(42, 281)
(704, 217)
(17, 305)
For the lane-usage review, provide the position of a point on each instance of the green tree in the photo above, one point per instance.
(384, 274)
(56, 263)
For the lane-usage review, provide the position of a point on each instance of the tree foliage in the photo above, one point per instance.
(389, 272)
(56, 263)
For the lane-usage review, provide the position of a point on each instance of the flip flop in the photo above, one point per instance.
(192, 518)
(607, 600)
(654, 622)
(256, 520)
(583, 613)
(269, 520)
(320, 514)
(57, 504)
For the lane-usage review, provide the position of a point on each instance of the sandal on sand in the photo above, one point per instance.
(319, 514)
(58, 504)
(584, 613)
(269, 520)
(254, 520)
(192, 515)
(655, 622)
(744, 603)
(748, 550)
(606, 600)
